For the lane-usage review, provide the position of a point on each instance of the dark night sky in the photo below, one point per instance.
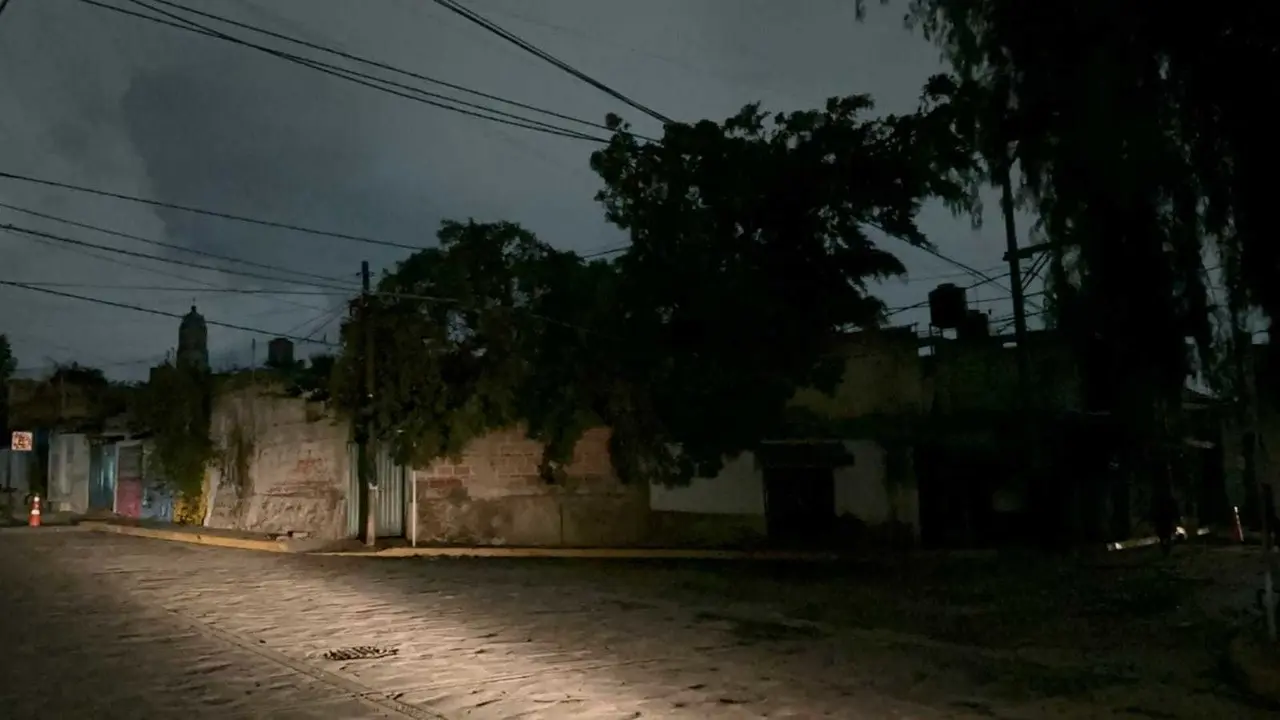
(94, 98)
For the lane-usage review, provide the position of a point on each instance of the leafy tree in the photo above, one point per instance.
(463, 349)
(751, 256)
(174, 405)
(751, 253)
(1141, 161)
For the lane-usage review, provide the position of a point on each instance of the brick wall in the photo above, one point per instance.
(297, 466)
(493, 495)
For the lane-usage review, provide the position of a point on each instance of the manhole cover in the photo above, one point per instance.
(360, 652)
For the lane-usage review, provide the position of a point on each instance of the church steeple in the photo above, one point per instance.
(193, 341)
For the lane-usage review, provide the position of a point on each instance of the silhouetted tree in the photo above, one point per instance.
(751, 252)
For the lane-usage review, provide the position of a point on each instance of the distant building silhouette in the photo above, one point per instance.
(193, 341)
(280, 353)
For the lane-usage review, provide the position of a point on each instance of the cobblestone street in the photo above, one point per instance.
(106, 626)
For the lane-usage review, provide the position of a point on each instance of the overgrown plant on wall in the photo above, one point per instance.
(749, 256)
(174, 406)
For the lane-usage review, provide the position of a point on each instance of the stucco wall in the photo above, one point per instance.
(729, 509)
(492, 495)
(725, 510)
(866, 491)
(296, 461)
(882, 376)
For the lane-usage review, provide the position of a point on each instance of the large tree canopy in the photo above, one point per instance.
(1138, 151)
(750, 256)
(751, 250)
(485, 331)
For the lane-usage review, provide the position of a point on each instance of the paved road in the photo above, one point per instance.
(105, 626)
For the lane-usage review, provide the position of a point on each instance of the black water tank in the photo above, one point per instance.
(947, 307)
(975, 326)
(280, 353)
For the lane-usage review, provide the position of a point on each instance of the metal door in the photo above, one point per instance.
(102, 477)
(389, 499)
(353, 491)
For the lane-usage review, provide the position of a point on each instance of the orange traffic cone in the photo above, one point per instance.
(1239, 530)
(34, 519)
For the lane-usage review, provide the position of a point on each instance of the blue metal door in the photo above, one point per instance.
(102, 477)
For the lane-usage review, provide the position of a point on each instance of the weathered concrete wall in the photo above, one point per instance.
(283, 466)
(982, 376)
(493, 495)
(867, 492)
(882, 376)
(725, 510)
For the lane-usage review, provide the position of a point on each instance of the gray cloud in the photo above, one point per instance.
(142, 109)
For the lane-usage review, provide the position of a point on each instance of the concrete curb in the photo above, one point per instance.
(315, 548)
(585, 553)
(41, 529)
(1255, 666)
(191, 538)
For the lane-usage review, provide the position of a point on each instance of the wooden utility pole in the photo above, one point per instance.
(364, 432)
(1246, 380)
(1024, 454)
(1015, 281)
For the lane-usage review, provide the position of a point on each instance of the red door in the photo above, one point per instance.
(129, 481)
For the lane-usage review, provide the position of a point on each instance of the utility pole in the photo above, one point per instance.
(1024, 454)
(364, 435)
(1246, 379)
(1013, 255)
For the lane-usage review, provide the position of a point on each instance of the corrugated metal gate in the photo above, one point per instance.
(389, 500)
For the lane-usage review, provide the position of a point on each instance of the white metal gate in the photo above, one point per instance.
(389, 505)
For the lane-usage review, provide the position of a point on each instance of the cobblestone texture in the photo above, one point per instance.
(104, 626)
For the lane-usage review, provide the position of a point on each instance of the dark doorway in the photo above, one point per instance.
(800, 505)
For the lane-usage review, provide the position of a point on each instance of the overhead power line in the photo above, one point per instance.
(474, 17)
(205, 286)
(196, 290)
(120, 251)
(925, 303)
(381, 65)
(203, 211)
(371, 81)
(152, 311)
(171, 246)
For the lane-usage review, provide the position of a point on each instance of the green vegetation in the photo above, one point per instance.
(750, 254)
(174, 406)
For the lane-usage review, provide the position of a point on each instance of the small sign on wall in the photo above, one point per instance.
(22, 441)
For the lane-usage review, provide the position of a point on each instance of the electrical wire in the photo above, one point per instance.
(477, 19)
(890, 312)
(170, 246)
(359, 78)
(156, 258)
(325, 320)
(196, 290)
(203, 211)
(152, 311)
(206, 286)
(380, 65)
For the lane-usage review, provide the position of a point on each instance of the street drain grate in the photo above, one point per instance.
(360, 652)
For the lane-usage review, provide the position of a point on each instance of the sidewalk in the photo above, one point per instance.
(262, 542)
(1256, 664)
(207, 536)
